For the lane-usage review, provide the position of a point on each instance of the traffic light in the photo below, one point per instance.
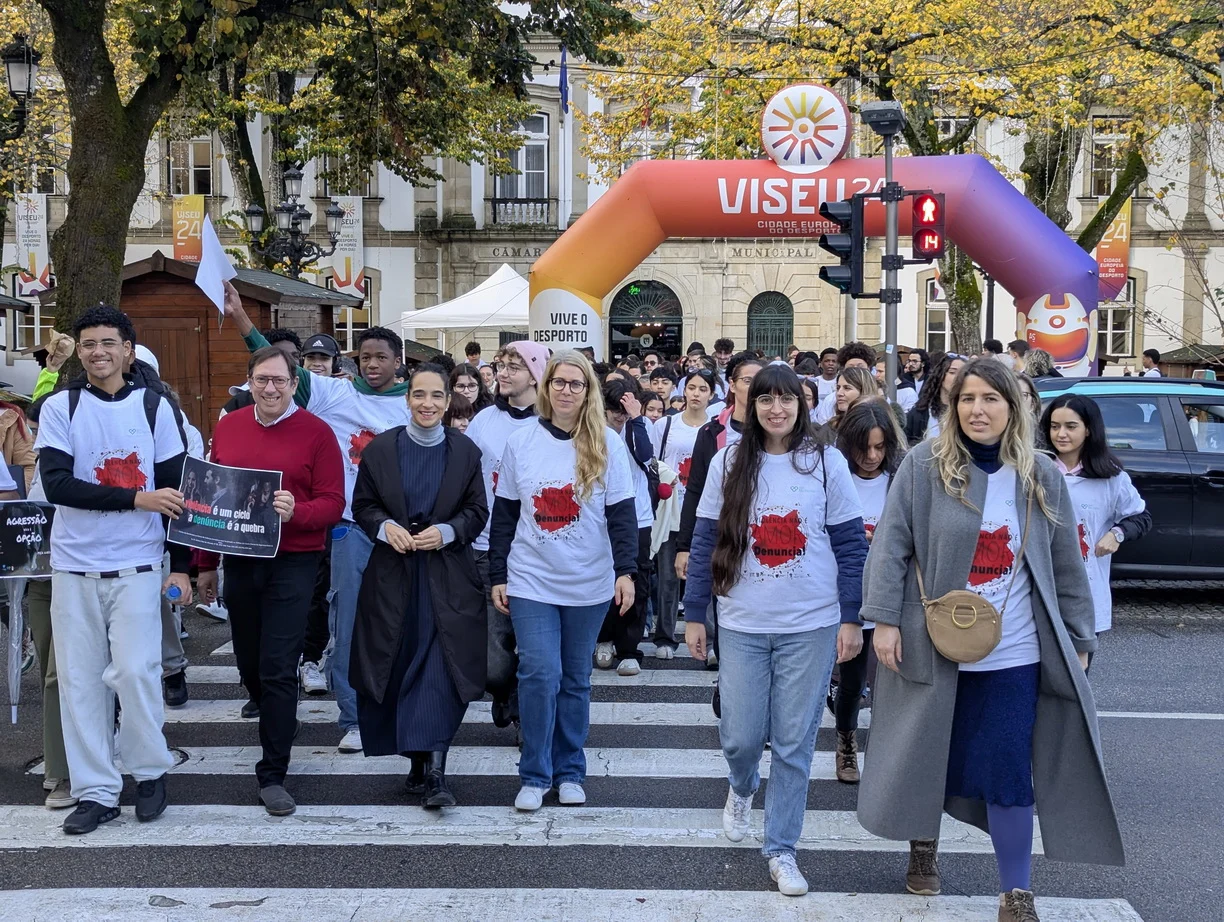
(928, 225)
(846, 246)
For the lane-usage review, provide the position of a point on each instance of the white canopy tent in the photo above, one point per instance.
(500, 302)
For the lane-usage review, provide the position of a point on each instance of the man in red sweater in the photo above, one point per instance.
(269, 597)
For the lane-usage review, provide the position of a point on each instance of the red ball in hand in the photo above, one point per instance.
(665, 491)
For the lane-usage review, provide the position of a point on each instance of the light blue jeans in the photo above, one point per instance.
(773, 687)
(555, 646)
(351, 551)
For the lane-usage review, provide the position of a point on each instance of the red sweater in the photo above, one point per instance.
(305, 451)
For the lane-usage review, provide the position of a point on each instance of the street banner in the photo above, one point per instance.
(187, 218)
(1113, 252)
(33, 260)
(348, 262)
(25, 539)
(228, 510)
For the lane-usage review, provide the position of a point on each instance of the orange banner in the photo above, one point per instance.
(187, 218)
(1113, 252)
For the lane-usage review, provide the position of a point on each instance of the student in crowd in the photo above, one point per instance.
(653, 408)
(923, 421)
(356, 412)
(853, 384)
(420, 654)
(1017, 349)
(778, 525)
(676, 405)
(811, 395)
(563, 542)
(519, 372)
(1040, 364)
(979, 509)
(111, 457)
(459, 412)
(269, 598)
(471, 354)
(723, 350)
(992, 348)
(1107, 508)
(16, 442)
(674, 439)
(827, 382)
(851, 355)
(907, 394)
(321, 355)
(1151, 363)
(467, 382)
(488, 374)
(622, 631)
(1030, 397)
(873, 444)
(917, 365)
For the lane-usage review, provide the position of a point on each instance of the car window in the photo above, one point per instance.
(1206, 425)
(1132, 423)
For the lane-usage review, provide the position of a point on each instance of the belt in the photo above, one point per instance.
(116, 574)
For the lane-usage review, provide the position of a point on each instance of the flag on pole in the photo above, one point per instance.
(564, 83)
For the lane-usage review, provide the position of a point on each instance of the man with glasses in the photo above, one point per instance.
(519, 373)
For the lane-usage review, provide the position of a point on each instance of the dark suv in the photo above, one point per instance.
(1169, 433)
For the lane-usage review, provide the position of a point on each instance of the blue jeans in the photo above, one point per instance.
(555, 646)
(773, 686)
(351, 551)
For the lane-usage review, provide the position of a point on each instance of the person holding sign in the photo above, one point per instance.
(268, 597)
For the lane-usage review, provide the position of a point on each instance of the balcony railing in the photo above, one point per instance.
(524, 211)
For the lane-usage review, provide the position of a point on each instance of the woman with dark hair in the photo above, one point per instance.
(811, 396)
(778, 525)
(873, 444)
(923, 421)
(459, 412)
(420, 637)
(467, 381)
(981, 736)
(1031, 398)
(1108, 509)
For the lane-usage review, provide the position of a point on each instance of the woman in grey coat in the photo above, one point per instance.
(984, 741)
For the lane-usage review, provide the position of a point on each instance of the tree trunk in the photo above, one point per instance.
(960, 287)
(1134, 172)
(1050, 157)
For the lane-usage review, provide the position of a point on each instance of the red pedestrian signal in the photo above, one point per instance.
(928, 225)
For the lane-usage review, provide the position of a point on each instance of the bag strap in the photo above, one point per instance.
(666, 433)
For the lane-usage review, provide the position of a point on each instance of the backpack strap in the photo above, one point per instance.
(666, 433)
(74, 398)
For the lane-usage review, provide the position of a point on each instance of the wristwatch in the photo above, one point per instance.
(1118, 533)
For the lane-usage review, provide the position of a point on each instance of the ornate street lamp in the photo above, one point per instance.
(289, 242)
(21, 73)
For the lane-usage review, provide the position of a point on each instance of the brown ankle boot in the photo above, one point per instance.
(847, 758)
(1017, 906)
(922, 878)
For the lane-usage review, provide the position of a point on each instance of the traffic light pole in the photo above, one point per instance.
(890, 295)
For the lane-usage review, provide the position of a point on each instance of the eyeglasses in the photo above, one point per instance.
(561, 384)
(509, 367)
(745, 380)
(280, 382)
(90, 345)
(788, 401)
(470, 386)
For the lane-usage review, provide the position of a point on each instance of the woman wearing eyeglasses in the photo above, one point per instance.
(466, 381)
(563, 541)
(779, 526)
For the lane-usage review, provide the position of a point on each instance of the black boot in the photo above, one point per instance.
(415, 782)
(436, 793)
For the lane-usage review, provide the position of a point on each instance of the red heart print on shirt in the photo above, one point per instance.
(122, 472)
(555, 508)
(357, 444)
(993, 556)
(1083, 540)
(778, 539)
(682, 472)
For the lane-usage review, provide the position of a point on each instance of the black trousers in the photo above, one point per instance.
(317, 633)
(268, 600)
(626, 631)
(852, 680)
(502, 679)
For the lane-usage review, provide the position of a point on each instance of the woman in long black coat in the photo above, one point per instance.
(420, 638)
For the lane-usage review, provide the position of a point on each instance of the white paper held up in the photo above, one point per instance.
(214, 269)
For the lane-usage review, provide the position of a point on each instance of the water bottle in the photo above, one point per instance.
(173, 594)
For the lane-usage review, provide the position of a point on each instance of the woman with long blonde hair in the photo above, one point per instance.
(563, 541)
(978, 509)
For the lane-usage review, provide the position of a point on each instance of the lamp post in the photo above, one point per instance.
(289, 243)
(21, 73)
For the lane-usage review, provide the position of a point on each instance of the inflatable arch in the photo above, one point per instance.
(1053, 281)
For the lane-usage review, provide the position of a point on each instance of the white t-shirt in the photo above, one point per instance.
(6, 479)
(678, 452)
(906, 398)
(991, 574)
(641, 485)
(933, 428)
(355, 418)
(561, 553)
(1152, 373)
(825, 386)
(1099, 505)
(826, 409)
(110, 444)
(490, 429)
(872, 494)
(788, 580)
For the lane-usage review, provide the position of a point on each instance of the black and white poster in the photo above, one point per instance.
(25, 539)
(228, 510)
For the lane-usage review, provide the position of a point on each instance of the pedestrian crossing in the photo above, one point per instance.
(648, 845)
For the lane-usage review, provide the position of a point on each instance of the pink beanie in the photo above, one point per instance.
(534, 354)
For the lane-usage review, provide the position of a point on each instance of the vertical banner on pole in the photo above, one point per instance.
(1113, 253)
(34, 264)
(348, 262)
(188, 220)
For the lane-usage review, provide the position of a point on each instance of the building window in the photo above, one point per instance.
(938, 322)
(191, 167)
(522, 196)
(341, 177)
(1116, 325)
(771, 323)
(34, 325)
(1108, 141)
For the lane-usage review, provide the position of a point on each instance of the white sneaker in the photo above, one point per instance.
(628, 667)
(735, 816)
(351, 741)
(530, 799)
(663, 651)
(571, 794)
(60, 797)
(711, 658)
(605, 655)
(785, 873)
(313, 682)
(216, 610)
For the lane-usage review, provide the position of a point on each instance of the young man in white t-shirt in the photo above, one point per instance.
(110, 459)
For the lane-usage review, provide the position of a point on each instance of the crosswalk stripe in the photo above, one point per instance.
(618, 713)
(831, 830)
(514, 905)
(226, 649)
(647, 678)
(647, 648)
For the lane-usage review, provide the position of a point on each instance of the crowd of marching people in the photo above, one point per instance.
(451, 531)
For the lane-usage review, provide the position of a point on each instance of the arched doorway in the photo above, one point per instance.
(644, 315)
(771, 323)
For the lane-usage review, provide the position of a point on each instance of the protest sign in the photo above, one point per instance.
(25, 539)
(228, 510)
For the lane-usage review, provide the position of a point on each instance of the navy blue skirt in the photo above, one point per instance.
(991, 755)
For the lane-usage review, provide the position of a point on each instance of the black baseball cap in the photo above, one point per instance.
(323, 343)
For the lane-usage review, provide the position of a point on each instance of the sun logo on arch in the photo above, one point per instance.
(805, 128)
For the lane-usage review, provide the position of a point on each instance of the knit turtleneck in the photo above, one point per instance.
(434, 435)
(985, 457)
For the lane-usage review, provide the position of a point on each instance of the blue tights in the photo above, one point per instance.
(1011, 832)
